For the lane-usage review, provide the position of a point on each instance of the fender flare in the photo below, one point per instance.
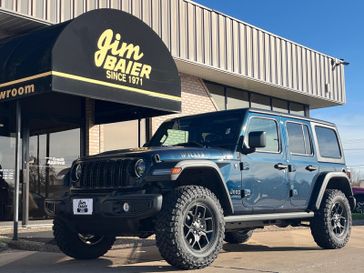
(326, 178)
(188, 164)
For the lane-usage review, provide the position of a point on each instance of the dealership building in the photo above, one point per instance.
(222, 63)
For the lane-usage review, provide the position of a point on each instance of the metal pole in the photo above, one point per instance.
(25, 145)
(17, 170)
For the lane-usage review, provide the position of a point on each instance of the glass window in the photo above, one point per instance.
(260, 101)
(296, 140)
(50, 157)
(7, 169)
(204, 131)
(123, 135)
(297, 109)
(271, 128)
(218, 94)
(328, 142)
(174, 137)
(280, 105)
(308, 141)
(237, 98)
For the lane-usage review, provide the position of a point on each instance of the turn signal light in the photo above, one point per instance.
(176, 170)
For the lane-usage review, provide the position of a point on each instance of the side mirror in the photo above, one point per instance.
(257, 139)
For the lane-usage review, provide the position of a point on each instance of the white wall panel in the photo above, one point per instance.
(197, 34)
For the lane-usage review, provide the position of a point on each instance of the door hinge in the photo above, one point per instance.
(245, 193)
(244, 166)
(293, 192)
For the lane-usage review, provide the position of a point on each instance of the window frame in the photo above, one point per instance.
(304, 139)
(278, 134)
(322, 158)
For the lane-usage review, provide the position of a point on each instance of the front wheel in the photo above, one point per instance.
(190, 228)
(80, 246)
(331, 226)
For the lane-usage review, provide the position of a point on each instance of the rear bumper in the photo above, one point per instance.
(108, 215)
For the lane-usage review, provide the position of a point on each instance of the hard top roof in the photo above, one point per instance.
(242, 111)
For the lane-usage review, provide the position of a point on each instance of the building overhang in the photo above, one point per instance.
(236, 80)
(107, 55)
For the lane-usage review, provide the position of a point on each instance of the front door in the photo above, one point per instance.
(50, 156)
(264, 172)
(302, 158)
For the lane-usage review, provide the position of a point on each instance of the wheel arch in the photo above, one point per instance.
(331, 180)
(207, 174)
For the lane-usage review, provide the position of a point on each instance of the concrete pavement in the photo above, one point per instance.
(273, 251)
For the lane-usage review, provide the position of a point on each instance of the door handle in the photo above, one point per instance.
(280, 166)
(311, 168)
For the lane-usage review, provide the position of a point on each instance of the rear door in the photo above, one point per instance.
(264, 172)
(303, 161)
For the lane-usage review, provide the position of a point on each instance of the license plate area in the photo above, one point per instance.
(83, 206)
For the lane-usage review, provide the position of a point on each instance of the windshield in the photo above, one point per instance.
(220, 130)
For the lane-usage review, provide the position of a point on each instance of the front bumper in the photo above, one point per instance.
(108, 215)
(141, 206)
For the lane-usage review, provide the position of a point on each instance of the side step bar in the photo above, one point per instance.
(269, 216)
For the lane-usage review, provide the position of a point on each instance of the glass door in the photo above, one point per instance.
(50, 157)
(7, 168)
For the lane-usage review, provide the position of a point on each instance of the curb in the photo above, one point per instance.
(3, 245)
(28, 245)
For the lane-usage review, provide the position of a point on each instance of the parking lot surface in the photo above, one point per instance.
(272, 251)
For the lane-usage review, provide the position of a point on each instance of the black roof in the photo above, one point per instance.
(242, 111)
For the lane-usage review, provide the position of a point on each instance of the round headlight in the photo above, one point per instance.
(77, 172)
(139, 168)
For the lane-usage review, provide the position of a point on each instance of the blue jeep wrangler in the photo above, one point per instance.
(207, 178)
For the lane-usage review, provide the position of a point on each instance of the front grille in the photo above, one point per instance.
(106, 174)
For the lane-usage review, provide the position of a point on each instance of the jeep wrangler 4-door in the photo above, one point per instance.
(207, 178)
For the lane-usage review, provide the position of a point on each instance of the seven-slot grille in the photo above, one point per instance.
(106, 174)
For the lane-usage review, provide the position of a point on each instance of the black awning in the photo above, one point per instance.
(105, 54)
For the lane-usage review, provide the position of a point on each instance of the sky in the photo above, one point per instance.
(330, 26)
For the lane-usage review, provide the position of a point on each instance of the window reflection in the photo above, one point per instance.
(7, 168)
(50, 156)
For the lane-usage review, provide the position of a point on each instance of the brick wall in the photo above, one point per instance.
(195, 100)
(93, 132)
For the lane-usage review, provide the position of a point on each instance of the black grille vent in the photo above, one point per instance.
(106, 174)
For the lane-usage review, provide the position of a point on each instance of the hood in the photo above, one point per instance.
(174, 153)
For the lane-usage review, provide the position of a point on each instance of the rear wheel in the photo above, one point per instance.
(238, 237)
(331, 226)
(80, 246)
(190, 228)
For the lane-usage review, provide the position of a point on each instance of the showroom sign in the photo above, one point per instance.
(121, 60)
(104, 54)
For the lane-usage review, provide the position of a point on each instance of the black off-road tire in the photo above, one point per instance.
(238, 237)
(321, 225)
(71, 244)
(171, 228)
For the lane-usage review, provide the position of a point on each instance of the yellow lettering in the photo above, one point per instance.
(21, 91)
(103, 44)
(120, 66)
(146, 70)
(108, 72)
(14, 92)
(2, 95)
(129, 51)
(110, 62)
(136, 69)
(29, 89)
(128, 67)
